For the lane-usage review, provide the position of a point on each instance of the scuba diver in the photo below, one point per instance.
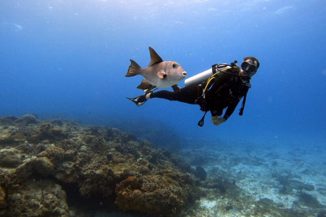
(223, 89)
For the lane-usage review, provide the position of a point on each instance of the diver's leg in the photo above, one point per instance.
(186, 94)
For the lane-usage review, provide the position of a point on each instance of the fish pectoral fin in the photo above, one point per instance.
(155, 58)
(175, 88)
(161, 74)
(145, 85)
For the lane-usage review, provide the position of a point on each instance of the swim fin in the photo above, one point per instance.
(139, 100)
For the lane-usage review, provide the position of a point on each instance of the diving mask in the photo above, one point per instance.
(249, 68)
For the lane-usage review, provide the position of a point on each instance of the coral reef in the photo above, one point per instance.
(38, 198)
(200, 173)
(3, 202)
(58, 168)
(152, 193)
(258, 182)
(43, 162)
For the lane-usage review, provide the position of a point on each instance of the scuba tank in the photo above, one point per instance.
(204, 75)
(199, 77)
(209, 75)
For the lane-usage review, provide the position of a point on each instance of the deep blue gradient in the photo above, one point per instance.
(68, 59)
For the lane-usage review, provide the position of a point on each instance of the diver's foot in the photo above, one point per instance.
(139, 100)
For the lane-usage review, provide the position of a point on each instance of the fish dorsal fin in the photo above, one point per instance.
(155, 58)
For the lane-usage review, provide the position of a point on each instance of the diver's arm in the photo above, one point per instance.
(230, 109)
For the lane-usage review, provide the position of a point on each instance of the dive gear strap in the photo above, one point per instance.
(243, 104)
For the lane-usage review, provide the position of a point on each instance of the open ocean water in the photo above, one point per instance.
(67, 59)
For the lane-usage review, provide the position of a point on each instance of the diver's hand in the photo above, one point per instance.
(217, 120)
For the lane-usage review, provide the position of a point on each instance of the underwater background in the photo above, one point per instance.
(68, 59)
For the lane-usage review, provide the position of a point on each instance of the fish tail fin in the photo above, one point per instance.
(134, 69)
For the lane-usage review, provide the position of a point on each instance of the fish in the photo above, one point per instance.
(158, 73)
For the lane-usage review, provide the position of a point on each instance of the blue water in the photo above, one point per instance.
(68, 59)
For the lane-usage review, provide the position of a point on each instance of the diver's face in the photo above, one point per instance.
(249, 68)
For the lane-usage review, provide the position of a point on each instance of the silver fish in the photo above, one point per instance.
(158, 73)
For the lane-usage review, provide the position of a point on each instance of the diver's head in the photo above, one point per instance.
(249, 66)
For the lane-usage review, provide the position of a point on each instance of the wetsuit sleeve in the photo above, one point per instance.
(230, 109)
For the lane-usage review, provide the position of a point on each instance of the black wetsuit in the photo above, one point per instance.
(225, 92)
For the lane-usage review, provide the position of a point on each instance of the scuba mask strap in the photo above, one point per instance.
(202, 120)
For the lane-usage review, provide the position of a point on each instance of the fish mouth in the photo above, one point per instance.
(184, 74)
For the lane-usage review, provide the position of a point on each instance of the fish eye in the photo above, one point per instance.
(175, 65)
